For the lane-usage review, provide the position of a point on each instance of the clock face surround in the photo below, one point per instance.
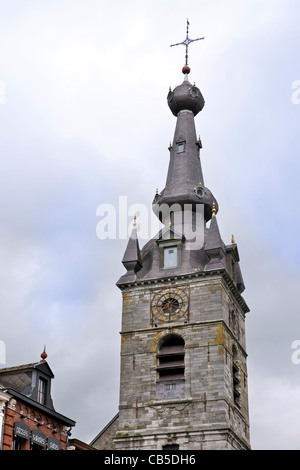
(169, 305)
(199, 192)
(194, 92)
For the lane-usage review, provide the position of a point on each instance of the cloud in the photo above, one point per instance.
(275, 417)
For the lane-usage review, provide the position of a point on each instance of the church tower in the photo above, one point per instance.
(183, 380)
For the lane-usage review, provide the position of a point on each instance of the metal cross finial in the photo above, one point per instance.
(186, 42)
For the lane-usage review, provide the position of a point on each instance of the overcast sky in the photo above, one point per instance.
(84, 120)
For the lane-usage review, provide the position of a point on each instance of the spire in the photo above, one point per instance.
(132, 256)
(198, 246)
(185, 182)
(185, 176)
(214, 246)
(185, 172)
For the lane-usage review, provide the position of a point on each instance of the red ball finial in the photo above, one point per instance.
(186, 69)
(44, 355)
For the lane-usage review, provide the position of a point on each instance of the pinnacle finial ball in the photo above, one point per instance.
(44, 355)
(186, 69)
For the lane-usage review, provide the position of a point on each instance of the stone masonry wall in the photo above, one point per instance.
(216, 323)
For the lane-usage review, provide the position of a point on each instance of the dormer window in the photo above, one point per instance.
(231, 265)
(170, 248)
(180, 147)
(41, 395)
(170, 257)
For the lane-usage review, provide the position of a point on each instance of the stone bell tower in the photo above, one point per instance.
(183, 380)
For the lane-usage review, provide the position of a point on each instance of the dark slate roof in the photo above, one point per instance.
(132, 260)
(43, 366)
(210, 257)
(132, 253)
(22, 378)
(43, 409)
(184, 178)
(22, 382)
(213, 239)
(214, 247)
(185, 171)
(185, 96)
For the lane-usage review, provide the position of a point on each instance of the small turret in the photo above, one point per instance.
(214, 246)
(132, 257)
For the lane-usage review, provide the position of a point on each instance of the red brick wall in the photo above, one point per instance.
(13, 414)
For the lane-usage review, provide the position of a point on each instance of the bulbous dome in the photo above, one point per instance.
(185, 96)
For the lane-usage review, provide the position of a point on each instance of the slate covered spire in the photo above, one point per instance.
(196, 241)
(185, 181)
(132, 257)
(214, 246)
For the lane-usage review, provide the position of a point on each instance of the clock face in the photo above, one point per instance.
(171, 304)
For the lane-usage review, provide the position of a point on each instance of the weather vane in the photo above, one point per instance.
(186, 42)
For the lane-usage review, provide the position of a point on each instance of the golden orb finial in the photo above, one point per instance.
(214, 208)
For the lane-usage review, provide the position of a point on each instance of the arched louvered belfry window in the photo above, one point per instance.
(170, 368)
(235, 376)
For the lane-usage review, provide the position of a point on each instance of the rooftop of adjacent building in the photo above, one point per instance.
(31, 383)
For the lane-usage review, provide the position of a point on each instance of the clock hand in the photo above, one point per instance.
(165, 306)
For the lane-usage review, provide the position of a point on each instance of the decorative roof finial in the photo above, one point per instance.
(214, 208)
(186, 69)
(134, 222)
(44, 355)
(232, 239)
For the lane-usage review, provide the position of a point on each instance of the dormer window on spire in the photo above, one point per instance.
(170, 257)
(180, 144)
(180, 147)
(170, 253)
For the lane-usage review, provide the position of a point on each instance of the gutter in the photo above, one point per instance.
(39, 406)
